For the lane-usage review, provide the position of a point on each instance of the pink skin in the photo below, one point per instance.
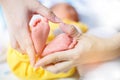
(66, 28)
(40, 31)
(60, 43)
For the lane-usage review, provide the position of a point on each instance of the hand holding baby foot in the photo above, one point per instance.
(61, 42)
(89, 49)
(64, 55)
(40, 31)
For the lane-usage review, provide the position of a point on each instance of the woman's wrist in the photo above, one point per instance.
(101, 49)
(111, 48)
(115, 44)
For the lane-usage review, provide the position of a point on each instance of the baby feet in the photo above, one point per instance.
(40, 31)
(61, 42)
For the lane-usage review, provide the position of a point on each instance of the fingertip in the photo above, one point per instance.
(31, 54)
(32, 62)
(47, 13)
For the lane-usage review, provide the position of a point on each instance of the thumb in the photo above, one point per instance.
(31, 55)
(44, 11)
(71, 30)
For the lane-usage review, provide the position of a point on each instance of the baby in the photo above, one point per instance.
(46, 41)
(65, 11)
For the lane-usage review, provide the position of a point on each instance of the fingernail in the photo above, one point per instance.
(58, 20)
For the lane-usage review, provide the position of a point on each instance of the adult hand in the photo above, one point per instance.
(18, 14)
(89, 49)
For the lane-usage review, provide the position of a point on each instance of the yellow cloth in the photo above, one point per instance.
(20, 64)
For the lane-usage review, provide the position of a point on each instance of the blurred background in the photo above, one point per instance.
(101, 16)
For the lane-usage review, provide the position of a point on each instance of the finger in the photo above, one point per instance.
(44, 11)
(31, 54)
(71, 30)
(13, 42)
(54, 58)
(28, 47)
(60, 67)
(17, 47)
(30, 50)
(26, 44)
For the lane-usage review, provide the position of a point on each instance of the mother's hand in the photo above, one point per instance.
(18, 14)
(64, 60)
(89, 49)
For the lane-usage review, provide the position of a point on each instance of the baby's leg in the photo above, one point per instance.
(40, 31)
(60, 43)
